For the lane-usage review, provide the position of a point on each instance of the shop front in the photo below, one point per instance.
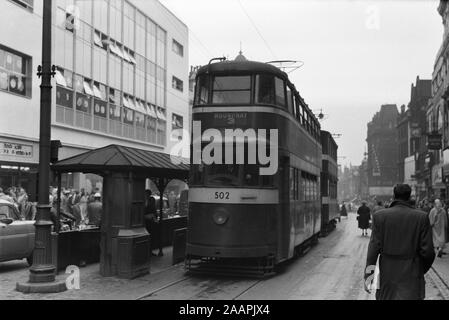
(19, 165)
(438, 186)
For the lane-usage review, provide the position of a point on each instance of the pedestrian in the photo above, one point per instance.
(402, 239)
(363, 217)
(438, 222)
(425, 206)
(378, 206)
(83, 204)
(343, 211)
(150, 217)
(5, 197)
(95, 211)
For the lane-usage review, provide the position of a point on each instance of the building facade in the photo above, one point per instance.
(121, 78)
(411, 130)
(382, 152)
(437, 117)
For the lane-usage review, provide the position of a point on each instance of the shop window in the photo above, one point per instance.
(15, 72)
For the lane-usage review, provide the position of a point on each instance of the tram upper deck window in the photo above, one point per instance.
(290, 101)
(280, 92)
(265, 89)
(231, 90)
(202, 92)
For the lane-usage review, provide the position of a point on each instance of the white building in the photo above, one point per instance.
(122, 78)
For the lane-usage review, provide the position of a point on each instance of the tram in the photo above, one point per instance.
(240, 219)
(330, 212)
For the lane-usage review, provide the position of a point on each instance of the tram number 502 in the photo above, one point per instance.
(221, 195)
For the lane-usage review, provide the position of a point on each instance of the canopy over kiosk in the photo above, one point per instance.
(125, 242)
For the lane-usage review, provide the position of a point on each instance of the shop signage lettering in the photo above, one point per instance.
(434, 142)
(16, 150)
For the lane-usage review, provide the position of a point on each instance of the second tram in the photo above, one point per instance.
(330, 212)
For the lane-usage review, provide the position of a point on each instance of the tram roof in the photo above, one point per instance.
(242, 66)
(124, 159)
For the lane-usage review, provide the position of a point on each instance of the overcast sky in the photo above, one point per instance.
(357, 55)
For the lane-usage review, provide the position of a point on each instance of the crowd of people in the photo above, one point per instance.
(436, 210)
(79, 209)
(19, 197)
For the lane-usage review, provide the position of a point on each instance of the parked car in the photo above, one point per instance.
(16, 236)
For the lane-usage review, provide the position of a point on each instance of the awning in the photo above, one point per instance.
(125, 159)
(140, 107)
(132, 105)
(160, 114)
(98, 93)
(87, 88)
(150, 111)
(97, 39)
(60, 80)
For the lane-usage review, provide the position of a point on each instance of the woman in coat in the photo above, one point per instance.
(343, 211)
(364, 216)
(438, 222)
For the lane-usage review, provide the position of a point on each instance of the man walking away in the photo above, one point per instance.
(402, 237)
(95, 211)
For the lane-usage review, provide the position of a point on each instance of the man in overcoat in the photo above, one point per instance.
(402, 238)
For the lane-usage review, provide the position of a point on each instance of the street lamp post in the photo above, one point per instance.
(43, 271)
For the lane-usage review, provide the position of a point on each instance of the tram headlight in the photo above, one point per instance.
(220, 216)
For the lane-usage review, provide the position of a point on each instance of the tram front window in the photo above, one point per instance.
(202, 92)
(223, 175)
(232, 90)
(265, 89)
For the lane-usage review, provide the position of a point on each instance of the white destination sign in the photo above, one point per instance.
(16, 150)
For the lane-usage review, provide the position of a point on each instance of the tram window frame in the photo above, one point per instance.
(277, 83)
(199, 99)
(246, 90)
(296, 108)
(290, 104)
(267, 97)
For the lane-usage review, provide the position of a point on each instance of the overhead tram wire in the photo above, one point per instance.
(257, 29)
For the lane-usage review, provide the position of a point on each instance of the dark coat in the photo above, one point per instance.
(343, 211)
(94, 212)
(403, 238)
(363, 217)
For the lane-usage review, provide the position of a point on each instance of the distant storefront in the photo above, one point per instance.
(19, 165)
(438, 186)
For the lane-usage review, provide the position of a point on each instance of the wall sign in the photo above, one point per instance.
(16, 150)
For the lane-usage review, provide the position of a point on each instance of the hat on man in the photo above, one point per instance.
(97, 195)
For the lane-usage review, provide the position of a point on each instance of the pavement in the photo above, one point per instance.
(92, 285)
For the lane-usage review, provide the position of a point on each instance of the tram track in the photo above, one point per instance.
(439, 283)
(211, 287)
